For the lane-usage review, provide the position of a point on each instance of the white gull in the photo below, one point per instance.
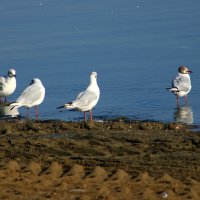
(7, 84)
(181, 85)
(86, 100)
(33, 95)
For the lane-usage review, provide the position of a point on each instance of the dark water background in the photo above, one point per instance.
(135, 46)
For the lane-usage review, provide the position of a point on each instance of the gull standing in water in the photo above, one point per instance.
(87, 99)
(7, 84)
(181, 85)
(33, 95)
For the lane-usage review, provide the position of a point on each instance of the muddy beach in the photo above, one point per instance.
(101, 160)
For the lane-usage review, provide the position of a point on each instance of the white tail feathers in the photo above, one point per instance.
(14, 104)
(173, 89)
(69, 106)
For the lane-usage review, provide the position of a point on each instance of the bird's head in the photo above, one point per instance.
(184, 70)
(12, 73)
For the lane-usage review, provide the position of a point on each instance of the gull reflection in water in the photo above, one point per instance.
(5, 110)
(184, 114)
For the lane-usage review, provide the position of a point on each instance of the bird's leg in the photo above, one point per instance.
(177, 101)
(90, 115)
(85, 116)
(0, 99)
(5, 99)
(186, 101)
(36, 112)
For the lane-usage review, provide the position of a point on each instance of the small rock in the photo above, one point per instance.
(164, 195)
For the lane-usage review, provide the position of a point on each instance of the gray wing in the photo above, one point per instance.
(85, 98)
(31, 94)
(79, 95)
(181, 84)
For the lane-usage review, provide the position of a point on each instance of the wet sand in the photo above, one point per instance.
(100, 160)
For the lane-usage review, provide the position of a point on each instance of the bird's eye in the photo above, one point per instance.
(31, 82)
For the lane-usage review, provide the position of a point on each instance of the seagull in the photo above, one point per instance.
(87, 99)
(33, 95)
(7, 84)
(181, 85)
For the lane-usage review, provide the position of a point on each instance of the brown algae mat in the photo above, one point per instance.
(100, 160)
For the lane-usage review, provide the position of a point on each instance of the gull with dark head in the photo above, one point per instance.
(86, 100)
(33, 95)
(181, 85)
(7, 84)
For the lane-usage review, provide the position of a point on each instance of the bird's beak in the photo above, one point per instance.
(189, 71)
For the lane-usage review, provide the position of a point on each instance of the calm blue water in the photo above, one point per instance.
(135, 46)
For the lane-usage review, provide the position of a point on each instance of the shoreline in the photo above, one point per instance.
(54, 159)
